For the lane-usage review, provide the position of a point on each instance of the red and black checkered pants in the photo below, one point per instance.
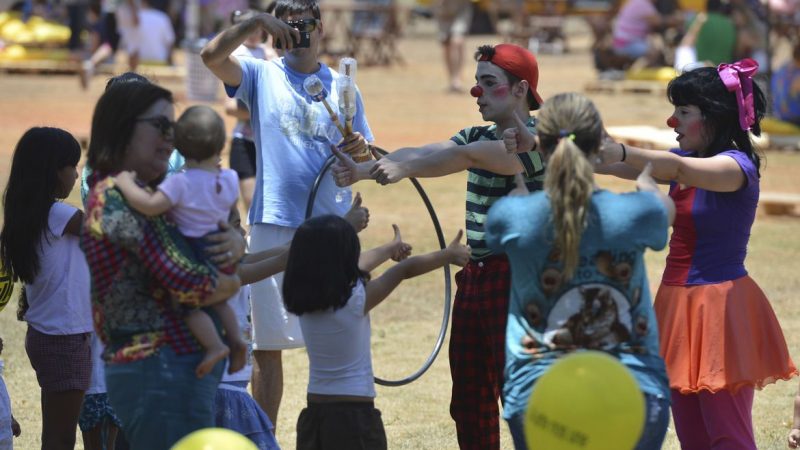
(477, 351)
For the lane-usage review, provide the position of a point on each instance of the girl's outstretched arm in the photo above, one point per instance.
(251, 258)
(147, 203)
(379, 288)
(264, 264)
(718, 173)
(395, 249)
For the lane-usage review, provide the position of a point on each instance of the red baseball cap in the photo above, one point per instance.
(519, 62)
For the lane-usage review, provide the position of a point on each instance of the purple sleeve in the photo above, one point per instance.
(173, 187)
(748, 168)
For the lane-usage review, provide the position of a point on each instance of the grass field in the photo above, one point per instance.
(407, 105)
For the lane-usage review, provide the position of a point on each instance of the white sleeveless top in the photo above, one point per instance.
(338, 345)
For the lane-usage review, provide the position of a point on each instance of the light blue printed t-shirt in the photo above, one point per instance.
(606, 305)
(293, 135)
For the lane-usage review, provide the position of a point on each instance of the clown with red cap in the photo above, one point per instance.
(506, 90)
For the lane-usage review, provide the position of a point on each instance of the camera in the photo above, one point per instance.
(304, 42)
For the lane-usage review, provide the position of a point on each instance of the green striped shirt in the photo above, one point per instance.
(484, 187)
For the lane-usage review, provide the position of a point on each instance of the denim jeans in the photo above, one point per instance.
(160, 399)
(655, 426)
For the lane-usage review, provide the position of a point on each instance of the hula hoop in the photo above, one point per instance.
(312, 196)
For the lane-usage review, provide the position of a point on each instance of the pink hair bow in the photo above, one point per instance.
(738, 77)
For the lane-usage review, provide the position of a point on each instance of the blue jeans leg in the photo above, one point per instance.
(159, 399)
(655, 426)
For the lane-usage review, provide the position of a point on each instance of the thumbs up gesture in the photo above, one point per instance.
(519, 138)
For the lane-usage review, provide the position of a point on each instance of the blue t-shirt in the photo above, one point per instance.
(605, 306)
(293, 135)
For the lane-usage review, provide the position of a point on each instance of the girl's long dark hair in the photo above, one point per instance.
(704, 88)
(32, 188)
(322, 269)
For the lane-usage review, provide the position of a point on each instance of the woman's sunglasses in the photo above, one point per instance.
(303, 25)
(164, 125)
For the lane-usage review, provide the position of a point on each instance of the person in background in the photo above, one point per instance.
(9, 427)
(98, 423)
(786, 89)
(154, 35)
(454, 18)
(293, 135)
(243, 148)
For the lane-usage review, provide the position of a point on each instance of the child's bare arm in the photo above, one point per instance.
(147, 203)
(378, 289)
(251, 258)
(259, 269)
(395, 249)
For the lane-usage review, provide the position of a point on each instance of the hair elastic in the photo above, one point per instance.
(566, 134)
(624, 152)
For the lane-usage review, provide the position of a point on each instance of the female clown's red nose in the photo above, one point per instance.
(476, 91)
(672, 122)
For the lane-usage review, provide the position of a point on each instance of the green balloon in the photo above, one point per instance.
(214, 439)
(587, 400)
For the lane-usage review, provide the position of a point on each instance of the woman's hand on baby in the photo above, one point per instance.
(457, 252)
(227, 245)
(519, 139)
(357, 215)
(399, 249)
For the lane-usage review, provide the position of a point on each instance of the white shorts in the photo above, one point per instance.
(273, 327)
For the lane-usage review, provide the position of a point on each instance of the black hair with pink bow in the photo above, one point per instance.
(731, 102)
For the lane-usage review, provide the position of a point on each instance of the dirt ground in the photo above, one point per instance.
(408, 105)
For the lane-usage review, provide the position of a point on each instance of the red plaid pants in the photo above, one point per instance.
(477, 351)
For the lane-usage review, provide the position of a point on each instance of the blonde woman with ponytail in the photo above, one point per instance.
(578, 279)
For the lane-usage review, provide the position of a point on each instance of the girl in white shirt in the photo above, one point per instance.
(327, 285)
(39, 246)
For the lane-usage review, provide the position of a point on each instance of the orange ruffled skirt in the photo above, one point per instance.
(720, 336)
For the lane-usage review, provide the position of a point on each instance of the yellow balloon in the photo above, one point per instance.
(214, 439)
(587, 400)
(6, 287)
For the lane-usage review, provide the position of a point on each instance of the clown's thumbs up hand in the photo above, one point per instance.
(519, 138)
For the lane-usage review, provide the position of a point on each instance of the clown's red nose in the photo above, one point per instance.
(476, 91)
(672, 122)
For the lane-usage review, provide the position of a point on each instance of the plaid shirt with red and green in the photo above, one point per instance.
(145, 277)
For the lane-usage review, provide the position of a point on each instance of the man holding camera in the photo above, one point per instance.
(293, 135)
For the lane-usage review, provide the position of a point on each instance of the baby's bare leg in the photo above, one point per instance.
(233, 335)
(202, 327)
